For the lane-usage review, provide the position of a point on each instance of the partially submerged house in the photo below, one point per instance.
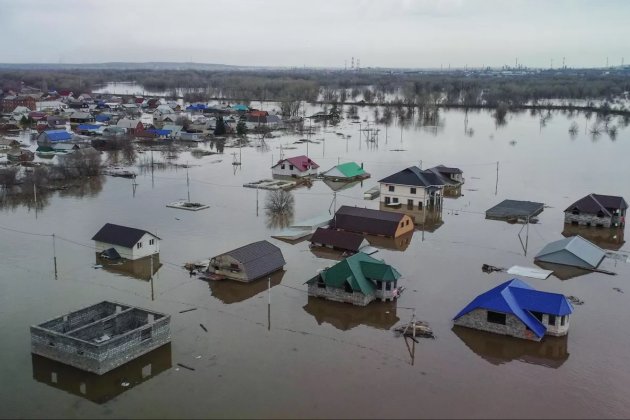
(452, 177)
(131, 126)
(412, 186)
(338, 240)
(298, 166)
(574, 251)
(358, 279)
(515, 308)
(101, 337)
(130, 243)
(346, 172)
(52, 136)
(597, 210)
(514, 210)
(247, 263)
(372, 222)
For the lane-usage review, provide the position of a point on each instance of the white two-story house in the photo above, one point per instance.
(412, 187)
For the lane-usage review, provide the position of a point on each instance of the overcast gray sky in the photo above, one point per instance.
(384, 33)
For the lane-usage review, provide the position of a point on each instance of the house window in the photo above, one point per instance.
(419, 205)
(282, 166)
(379, 284)
(139, 245)
(291, 167)
(348, 288)
(407, 222)
(410, 204)
(496, 318)
(412, 190)
(391, 188)
(552, 320)
(395, 200)
(151, 241)
(321, 284)
(537, 315)
(562, 320)
(575, 211)
(388, 285)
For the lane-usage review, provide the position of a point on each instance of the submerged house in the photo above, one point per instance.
(574, 251)
(130, 243)
(346, 172)
(52, 136)
(298, 166)
(338, 240)
(247, 263)
(515, 308)
(414, 187)
(597, 210)
(358, 279)
(130, 126)
(372, 222)
(452, 177)
(101, 337)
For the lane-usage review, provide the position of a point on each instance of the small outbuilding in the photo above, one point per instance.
(597, 210)
(247, 263)
(515, 308)
(348, 171)
(298, 166)
(574, 251)
(130, 243)
(515, 209)
(339, 240)
(358, 279)
(372, 222)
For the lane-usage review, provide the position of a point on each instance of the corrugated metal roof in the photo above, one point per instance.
(339, 239)
(58, 135)
(258, 258)
(120, 235)
(349, 169)
(302, 163)
(362, 220)
(519, 299)
(593, 203)
(515, 208)
(575, 251)
(414, 176)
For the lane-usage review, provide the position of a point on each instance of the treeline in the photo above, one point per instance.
(414, 88)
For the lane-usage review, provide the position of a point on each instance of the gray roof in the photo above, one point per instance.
(258, 258)
(514, 208)
(120, 235)
(414, 176)
(574, 251)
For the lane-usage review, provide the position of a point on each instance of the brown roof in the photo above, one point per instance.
(337, 239)
(362, 220)
(594, 203)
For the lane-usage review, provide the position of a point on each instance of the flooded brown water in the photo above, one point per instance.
(320, 359)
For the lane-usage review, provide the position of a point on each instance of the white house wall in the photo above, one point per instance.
(291, 172)
(134, 253)
(403, 193)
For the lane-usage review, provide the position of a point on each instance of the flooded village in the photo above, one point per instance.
(174, 258)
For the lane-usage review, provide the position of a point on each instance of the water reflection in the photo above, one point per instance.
(140, 269)
(562, 272)
(498, 349)
(400, 243)
(612, 238)
(230, 292)
(344, 317)
(101, 388)
(338, 186)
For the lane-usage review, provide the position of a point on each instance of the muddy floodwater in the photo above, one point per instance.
(313, 358)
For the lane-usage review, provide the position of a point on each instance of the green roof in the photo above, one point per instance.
(350, 169)
(358, 270)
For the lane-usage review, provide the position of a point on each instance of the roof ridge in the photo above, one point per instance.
(592, 195)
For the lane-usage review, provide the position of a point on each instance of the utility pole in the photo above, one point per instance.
(151, 277)
(496, 186)
(187, 186)
(269, 304)
(256, 200)
(54, 255)
(152, 181)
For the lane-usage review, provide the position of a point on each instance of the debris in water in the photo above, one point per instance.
(185, 367)
(487, 268)
(98, 266)
(574, 300)
(187, 310)
(204, 328)
(616, 289)
(415, 329)
(125, 384)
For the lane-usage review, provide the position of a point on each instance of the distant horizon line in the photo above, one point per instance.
(296, 67)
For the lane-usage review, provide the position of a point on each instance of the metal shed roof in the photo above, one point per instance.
(575, 251)
(514, 208)
(120, 235)
(258, 258)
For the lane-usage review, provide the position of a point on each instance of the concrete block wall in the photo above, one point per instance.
(477, 319)
(340, 295)
(585, 219)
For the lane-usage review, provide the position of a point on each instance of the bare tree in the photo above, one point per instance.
(279, 202)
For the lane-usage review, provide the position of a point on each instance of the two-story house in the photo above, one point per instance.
(412, 187)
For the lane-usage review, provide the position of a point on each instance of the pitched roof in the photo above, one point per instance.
(258, 258)
(520, 299)
(88, 127)
(120, 235)
(58, 135)
(594, 203)
(575, 251)
(357, 270)
(414, 176)
(128, 123)
(302, 163)
(348, 170)
(446, 170)
(374, 222)
(338, 239)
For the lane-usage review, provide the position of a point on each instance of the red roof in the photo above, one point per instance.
(302, 163)
(259, 113)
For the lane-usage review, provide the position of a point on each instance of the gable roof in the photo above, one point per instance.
(414, 176)
(128, 123)
(120, 235)
(443, 172)
(575, 251)
(594, 203)
(57, 135)
(338, 239)
(258, 258)
(447, 170)
(357, 271)
(374, 222)
(302, 163)
(520, 299)
(348, 170)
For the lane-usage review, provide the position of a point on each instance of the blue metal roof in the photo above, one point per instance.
(519, 299)
(197, 107)
(102, 117)
(159, 132)
(88, 127)
(58, 135)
